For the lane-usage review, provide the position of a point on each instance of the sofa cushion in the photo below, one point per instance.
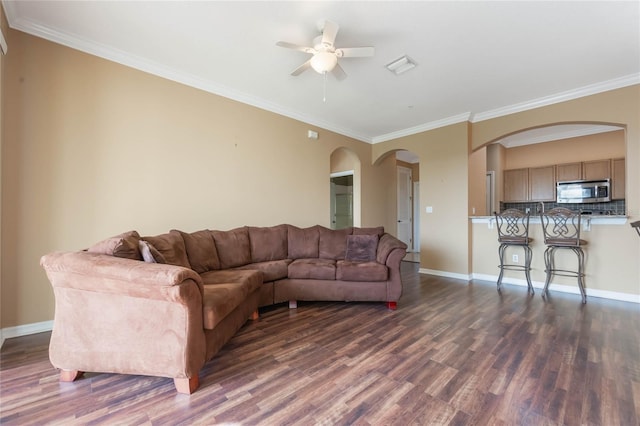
(361, 248)
(379, 231)
(149, 253)
(302, 243)
(123, 245)
(268, 243)
(233, 247)
(252, 277)
(361, 271)
(171, 246)
(221, 299)
(271, 271)
(319, 269)
(201, 250)
(333, 242)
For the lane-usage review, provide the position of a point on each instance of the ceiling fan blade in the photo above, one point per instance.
(296, 47)
(355, 52)
(301, 68)
(329, 33)
(338, 72)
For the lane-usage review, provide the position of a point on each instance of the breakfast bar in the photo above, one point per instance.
(608, 236)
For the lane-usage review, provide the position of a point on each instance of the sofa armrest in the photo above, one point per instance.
(109, 274)
(126, 316)
(391, 251)
(386, 245)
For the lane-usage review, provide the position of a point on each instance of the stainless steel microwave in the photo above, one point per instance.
(583, 191)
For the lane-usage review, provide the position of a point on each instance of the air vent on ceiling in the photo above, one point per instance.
(401, 65)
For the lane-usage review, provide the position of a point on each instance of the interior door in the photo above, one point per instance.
(405, 227)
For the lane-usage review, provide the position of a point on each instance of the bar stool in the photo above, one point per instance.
(513, 231)
(561, 229)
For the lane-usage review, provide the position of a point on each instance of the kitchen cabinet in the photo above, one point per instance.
(569, 171)
(618, 179)
(542, 183)
(516, 185)
(596, 170)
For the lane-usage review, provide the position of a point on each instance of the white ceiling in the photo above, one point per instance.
(476, 60)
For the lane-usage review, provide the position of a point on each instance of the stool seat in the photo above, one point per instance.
(561, 230)
(515, 240)
(513, 231)
(565, 242)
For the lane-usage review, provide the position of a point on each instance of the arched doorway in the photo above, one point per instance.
(345, 189)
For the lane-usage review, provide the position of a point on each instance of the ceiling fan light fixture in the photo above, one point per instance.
(323, 62)
(401, 65)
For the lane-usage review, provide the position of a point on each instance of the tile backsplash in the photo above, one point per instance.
(616, 207)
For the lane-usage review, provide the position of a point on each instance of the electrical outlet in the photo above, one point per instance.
(514, 258)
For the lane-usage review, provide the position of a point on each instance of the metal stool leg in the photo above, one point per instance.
(578, 251)
(527, 262)
(548, 264)
(501, 251)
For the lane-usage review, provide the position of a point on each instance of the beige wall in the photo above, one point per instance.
(584, 148)
(477, 183)
(443, 157)
(93, 148)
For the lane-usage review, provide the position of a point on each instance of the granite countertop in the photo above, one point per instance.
(595, 219)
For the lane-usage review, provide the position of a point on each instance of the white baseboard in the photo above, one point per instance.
(445, 274)
(24, 330)
(591, 292)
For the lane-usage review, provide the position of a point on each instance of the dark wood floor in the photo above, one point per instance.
(453, 353)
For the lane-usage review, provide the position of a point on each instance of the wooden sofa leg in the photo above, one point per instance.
(392, 306)
(187, 386)
(255, 315)
(293, 304)
(69, 375)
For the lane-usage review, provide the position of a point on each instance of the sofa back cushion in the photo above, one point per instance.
(361, 248)
(333, 242)
(201, 250)
(123, 245)
(234, 248)
(268, 243)
(379, 231)
(171, 246)
(303, 243)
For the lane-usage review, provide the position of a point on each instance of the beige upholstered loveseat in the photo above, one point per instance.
(164, 305)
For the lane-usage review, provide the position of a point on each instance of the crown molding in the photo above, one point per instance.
(422, 128)
(592, 89)
(567, 134)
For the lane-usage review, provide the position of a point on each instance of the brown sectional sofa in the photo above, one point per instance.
(164, 305)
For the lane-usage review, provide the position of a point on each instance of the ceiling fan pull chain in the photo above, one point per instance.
(324, 87)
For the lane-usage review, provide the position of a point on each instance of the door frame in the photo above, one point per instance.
(416, 216)
(410, 209)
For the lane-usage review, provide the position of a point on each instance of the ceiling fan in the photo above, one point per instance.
(325, 54)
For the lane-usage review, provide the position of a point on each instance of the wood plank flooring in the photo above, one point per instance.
(454, 353)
